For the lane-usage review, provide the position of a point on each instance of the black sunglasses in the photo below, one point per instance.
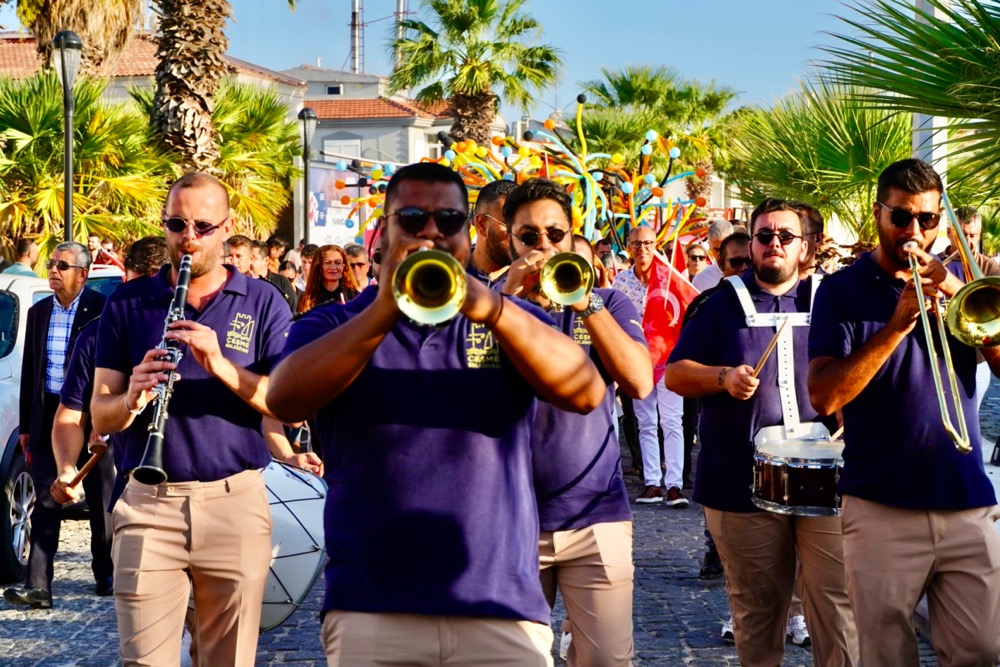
(697, 258)
(61, 264)
(738, 262)
(900, 218)
(765, 236)
(531, 237)
(413, 219)
(357, 265)
(201, 227)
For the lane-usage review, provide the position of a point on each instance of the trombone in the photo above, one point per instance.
(429, 287)
(566, 278)
(973, 318)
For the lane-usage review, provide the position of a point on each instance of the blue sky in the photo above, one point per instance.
(757, 47)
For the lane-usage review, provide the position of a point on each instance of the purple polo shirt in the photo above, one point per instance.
(896, 451)
(211, 433)
(430, 508)
(576, 458)
(718, 335)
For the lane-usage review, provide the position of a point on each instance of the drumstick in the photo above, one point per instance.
(97, 451)
(836, 434)
(770, 348)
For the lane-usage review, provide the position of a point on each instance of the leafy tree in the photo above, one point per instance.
(471, 54)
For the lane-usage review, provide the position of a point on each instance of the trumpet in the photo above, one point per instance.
(429, 287)
(567, 278)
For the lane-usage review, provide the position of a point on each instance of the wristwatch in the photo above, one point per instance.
(596, 304)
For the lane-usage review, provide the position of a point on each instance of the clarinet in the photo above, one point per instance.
(150, 469)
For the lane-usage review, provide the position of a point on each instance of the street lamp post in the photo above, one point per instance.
(308, 120)
(66, 57)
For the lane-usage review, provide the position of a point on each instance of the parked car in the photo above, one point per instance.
(17, 295)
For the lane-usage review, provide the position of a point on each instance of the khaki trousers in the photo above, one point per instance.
(592, 568)
(355, 639)
(894, 556)
(758, 551)
(214, 536)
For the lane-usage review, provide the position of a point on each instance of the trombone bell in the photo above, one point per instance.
(429, 287)
(974, 313)
(567, 278)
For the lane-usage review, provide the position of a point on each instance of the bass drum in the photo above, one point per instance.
(296, 498)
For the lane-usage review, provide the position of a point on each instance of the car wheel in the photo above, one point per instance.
(16, 506)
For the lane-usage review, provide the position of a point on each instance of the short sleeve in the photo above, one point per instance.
(78, 384)
(112, 349)
(698, 339)
(829, 329)
(621, 309)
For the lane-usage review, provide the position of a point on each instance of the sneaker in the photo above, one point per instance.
(651, 494)
(564, 641)
(727, 631)
(675, 498)
(797, 632)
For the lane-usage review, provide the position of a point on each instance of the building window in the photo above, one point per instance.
(435, 150)
(335, 150)
(335, 90)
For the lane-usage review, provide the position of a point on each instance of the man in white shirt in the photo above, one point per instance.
(710, 276)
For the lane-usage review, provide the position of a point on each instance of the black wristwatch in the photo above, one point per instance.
(596, 305)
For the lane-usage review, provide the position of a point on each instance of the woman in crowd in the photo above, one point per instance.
(328, 279)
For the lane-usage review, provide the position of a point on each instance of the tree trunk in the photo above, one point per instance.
(700, 187)
(104, 27)
(473, 116)
(191, 49)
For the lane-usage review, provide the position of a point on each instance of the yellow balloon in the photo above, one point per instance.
(617, 157)
(444, 162)
(376, 174)
(481, 152)
(535, 162)
(523, 151)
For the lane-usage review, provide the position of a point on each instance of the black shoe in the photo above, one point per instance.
(711, 567)
(104, 588)
(33, 598)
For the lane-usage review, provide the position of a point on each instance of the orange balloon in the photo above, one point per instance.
(497, 140)
(657, 192)
(340, 184)
(345, 200)
(549, 124)
(460, 147)
(700, 202)
(699, 172)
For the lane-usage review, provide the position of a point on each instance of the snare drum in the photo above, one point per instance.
(798, 477)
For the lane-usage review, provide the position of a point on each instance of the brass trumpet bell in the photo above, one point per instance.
(429, 287)
(567, 278)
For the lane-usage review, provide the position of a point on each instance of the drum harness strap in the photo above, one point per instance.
(784, 350)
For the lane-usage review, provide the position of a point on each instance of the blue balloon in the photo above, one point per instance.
(647, 149)
(508, 176)
(675, 152)
(650, 179)
(450, 154)
(377, 167)
(341, 165)
(627, 187)
(506, 151)
(389, 169)
(651, 135)
(598, 176)
(349, 223)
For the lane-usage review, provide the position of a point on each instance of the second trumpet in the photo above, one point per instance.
(567, 278)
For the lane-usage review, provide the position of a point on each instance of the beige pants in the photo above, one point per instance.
(592, 568)
(758, 551)
(354, 639)
(212, 535)
(894, 556)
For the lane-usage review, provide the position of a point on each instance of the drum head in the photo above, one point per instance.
(802, 451)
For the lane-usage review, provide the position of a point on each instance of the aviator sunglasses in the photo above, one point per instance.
(531, 237)
(413, 219)
(900, 218)
(61, 264)
(201, 227)
(765, 236)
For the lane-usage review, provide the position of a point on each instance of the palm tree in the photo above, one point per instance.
(821, 146)
(637, 88)
(476, 53)
(105, 27)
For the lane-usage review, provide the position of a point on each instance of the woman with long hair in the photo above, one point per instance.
(329, 279)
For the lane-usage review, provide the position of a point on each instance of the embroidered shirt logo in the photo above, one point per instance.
(481, 348)
(240, 333)
(580, 334)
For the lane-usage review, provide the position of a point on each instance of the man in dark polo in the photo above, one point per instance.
(585, 544)
(209, 525)
(714, 359)
(430, 521)
(53, 326)
(491, 256)
(918, 514)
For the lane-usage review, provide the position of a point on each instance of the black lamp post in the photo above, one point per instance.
(66, 58)
(308, 120)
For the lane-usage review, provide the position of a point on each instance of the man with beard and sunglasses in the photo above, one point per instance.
(491, 256)
(585, 543)
(918, 514)
(430, 522)
(208, 527)
(714, 359)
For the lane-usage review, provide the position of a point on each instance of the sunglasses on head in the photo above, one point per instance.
(413, 219)
(201, 227)
(900, 218)
(61, 264)
(765, 236)
(531, 237)
(697, 258)
(738, 262)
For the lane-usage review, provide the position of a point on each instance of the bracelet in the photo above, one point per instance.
(137, 411)
(722, 375)
(499, 313)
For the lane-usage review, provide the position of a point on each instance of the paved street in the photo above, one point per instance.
(677, 615)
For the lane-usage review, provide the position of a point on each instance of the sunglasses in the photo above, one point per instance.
(765, 236)
(61, 264)
(531, 238)
(358, 265)
(496, 220)
(413, 219)
(697, 258)
(900, 218)
(738, 262)
(201, 227)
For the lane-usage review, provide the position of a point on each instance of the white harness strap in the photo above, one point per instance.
(784, 350)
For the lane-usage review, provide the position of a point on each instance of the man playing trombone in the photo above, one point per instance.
(918, 512)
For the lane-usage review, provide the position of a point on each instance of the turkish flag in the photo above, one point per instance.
(667, 298)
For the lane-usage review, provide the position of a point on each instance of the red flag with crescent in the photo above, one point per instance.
(667, 298)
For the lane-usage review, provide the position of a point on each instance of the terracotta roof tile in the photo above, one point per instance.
(380, 107)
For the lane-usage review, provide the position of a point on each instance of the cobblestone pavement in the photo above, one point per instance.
(677, 616)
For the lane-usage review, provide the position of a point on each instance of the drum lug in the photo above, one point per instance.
(784, 479)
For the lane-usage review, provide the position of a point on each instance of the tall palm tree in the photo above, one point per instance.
(637, 88)
(475, 53)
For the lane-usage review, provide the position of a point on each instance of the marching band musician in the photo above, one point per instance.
(918, 514)
(712, 360)
(430, 522)
(586, 524)
(208, 527)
